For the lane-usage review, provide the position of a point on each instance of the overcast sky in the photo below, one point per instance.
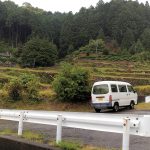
(62, 5)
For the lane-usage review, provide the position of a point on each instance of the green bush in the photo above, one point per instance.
(72, 84)
(30, 86)
(25, 86)
(15, 89)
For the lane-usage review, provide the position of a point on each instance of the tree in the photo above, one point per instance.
(128, 39)
(145, 38)
(120, 20)
(72, 84)
(38, 52)
(94, 46)
(137, 47)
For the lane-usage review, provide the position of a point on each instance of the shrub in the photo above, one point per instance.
(105, 51)
(14, 89)
(26, 85)
(30, 86)
(72, 83)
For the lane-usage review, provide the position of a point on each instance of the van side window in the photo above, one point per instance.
(122, 88)
(114, 88)
(130, 88)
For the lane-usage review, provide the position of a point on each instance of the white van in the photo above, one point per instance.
(113, 94)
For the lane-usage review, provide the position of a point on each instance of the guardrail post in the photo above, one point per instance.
(20, 125)
(59, 129)
(126, 134)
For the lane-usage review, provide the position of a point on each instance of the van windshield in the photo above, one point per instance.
(100, 89)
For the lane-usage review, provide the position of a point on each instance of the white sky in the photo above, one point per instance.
(62, 5)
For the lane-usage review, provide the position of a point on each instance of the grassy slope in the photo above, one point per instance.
(136, 73)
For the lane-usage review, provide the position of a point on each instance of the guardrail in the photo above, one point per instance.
(124, 123)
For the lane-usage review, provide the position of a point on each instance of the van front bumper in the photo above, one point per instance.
(102, 105)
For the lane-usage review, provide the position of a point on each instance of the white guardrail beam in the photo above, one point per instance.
(124, 123)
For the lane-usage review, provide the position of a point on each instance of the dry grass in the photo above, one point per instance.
(32, 136)
(143, 106)
(47, 105)
(69, 145)
(7, 132)
(47, 94)
(97, 148)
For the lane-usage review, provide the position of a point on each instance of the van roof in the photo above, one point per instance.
(111, 82)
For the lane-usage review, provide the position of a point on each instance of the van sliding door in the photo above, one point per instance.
(123, 95)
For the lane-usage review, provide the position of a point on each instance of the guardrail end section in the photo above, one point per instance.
(145, 122)
(126, 134)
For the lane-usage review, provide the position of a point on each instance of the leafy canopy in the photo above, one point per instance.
(38, 52)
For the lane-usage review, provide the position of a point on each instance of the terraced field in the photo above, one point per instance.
(137, 74)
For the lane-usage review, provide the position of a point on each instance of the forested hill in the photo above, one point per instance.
(127, 23)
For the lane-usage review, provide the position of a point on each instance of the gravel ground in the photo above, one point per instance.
(95, 138)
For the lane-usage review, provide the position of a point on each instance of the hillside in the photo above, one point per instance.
(122, 25)
(110, 40)
(136, 73)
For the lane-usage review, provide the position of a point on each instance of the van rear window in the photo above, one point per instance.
(100, 89)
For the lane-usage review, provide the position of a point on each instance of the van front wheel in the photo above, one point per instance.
(116, 107)
(97, 110)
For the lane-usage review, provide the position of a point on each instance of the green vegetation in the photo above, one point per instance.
(23, 87)
(98, 42)
(40, 138)
(143, 90)
(32, 136)
(37, 52)
(33, 37)
(46, 98)
(14, 90)
(68, 145)
(7, 132)
(72, 83)
(111, 45)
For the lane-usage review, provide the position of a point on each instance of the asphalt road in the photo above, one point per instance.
(95, 138)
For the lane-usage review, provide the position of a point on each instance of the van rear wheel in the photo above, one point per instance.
(132, 105)
(97, 110)
(116, 107)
